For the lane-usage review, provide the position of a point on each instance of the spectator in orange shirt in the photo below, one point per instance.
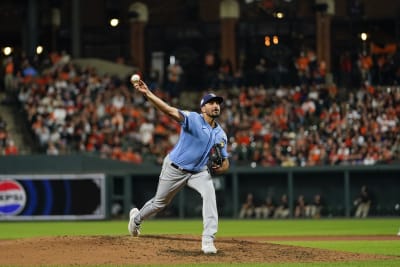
(302, 67)
(365, 62)
(9, 75)
(11, 148)
(131, 156)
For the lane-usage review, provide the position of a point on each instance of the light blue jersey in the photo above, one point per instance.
(195, 141)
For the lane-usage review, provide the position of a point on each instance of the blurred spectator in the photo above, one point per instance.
(3, 137)
(266, 209)
(9, 74)
(247, 209)
(174, 79)
(363, 203)
(131, 156)
(11, 148)
(302, 67)
(282, 210)
(345, 69)
(313, 209)
(146, 131)
(28, 70)
(210, 73)
(52, 149)
(261, 73)
(365, 65)
(3, 123)
(300, 207)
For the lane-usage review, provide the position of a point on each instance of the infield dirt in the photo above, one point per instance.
(164, 250)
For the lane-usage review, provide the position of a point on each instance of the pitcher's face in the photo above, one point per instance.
(212, 109)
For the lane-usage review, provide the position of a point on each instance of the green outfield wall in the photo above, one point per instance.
(128, 184)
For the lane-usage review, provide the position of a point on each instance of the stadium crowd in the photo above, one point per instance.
(309, 123)
(7, 145)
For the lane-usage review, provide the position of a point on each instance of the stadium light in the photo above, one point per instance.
(39, 49)
(114, 22)
(364, 36)
(7, 50)
(267, 41)
(275, 39)
(279, 15)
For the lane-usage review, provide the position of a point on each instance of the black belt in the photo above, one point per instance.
(182, 169)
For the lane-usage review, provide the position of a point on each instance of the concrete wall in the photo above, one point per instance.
(129, 184)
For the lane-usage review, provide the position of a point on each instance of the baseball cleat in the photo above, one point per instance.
(208, 247)
(133, 228)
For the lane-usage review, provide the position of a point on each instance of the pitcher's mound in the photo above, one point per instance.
(157, 250)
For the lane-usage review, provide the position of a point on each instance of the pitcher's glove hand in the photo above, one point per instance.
(215, 158)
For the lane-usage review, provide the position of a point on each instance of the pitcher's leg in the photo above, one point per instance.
(170, 182)
(166, 191)
(203, 184)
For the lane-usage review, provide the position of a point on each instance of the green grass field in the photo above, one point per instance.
(240, 228)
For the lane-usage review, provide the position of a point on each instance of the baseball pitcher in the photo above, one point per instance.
(200, 153)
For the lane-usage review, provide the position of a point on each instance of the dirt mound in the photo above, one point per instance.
(159, 250)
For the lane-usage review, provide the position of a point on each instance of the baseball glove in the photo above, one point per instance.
(215, 158)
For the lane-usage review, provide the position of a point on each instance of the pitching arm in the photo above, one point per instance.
(158, 102)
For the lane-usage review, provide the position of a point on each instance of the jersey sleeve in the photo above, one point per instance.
(189, 118)
(185, 115)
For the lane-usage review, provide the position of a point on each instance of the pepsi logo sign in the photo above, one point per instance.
(12, 197)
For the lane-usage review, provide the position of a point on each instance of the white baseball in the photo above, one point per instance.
(135, 78)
